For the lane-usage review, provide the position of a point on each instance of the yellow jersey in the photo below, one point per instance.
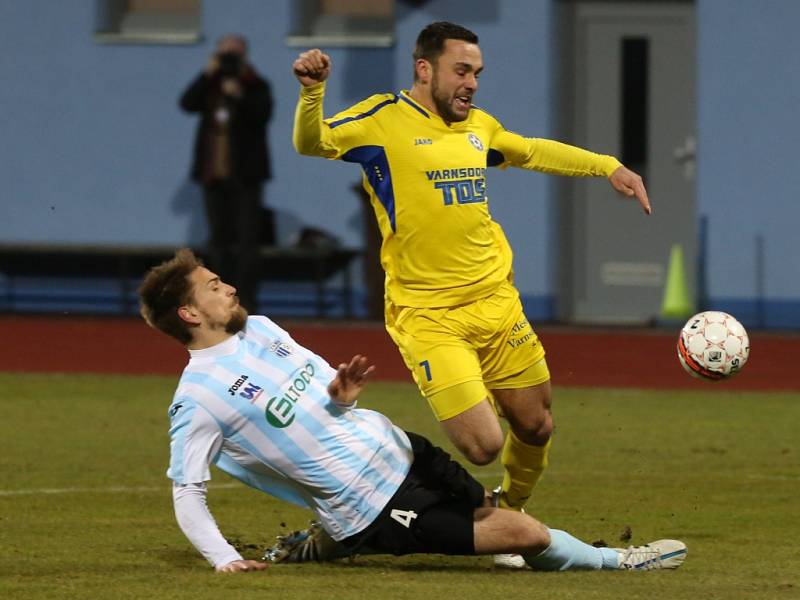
(426, 180)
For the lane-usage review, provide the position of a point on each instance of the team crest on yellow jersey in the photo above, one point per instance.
(475, 141)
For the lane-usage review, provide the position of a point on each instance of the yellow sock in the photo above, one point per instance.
(523, 466)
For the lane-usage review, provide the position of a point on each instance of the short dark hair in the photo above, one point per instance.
(430, 41)
(164, 290)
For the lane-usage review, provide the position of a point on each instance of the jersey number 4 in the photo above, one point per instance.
(404, 517)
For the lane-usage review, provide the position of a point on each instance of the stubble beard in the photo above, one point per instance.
(443, 103)
(237, 321)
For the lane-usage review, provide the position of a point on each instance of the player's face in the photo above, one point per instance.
(216, 302)
(455, 79)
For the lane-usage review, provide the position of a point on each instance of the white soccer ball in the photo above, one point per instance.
(713, 346)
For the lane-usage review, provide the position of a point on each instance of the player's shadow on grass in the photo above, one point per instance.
(417, 563)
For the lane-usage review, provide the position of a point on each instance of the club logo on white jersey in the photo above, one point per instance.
(281, 349)
(475, 141)
(280, 409)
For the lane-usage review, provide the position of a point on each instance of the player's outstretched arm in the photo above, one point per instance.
(312, 67)
(310, 137)
(241, 566)
(199, 527)
(350, 380)
(629, 184)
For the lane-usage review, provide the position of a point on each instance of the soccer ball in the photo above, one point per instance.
(713, 346)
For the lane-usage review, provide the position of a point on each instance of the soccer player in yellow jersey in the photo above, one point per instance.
(451, 306)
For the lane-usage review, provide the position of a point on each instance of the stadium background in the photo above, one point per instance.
(96, 151)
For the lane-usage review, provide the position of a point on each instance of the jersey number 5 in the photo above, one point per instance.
(404, 517)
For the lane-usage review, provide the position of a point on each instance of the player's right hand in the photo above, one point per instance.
(312, 67)
(241, 566)
(630, 184)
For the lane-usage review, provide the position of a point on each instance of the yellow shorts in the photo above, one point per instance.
(487, 342)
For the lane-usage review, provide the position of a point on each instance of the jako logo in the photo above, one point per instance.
(237, 384)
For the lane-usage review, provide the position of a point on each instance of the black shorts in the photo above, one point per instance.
(432, 511)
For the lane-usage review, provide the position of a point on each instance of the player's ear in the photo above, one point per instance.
(424, 70)
(189, 314)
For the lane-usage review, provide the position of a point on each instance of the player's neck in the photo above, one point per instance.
(205, 338)
(422, 96)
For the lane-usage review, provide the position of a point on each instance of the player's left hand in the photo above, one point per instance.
(350, 380)
(242, 566)
(629, 184)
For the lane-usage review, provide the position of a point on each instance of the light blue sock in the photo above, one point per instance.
(567, 552)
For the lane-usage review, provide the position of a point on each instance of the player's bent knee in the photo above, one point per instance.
(542, 428)
(481, 455)
(534, 431)
(480, 450)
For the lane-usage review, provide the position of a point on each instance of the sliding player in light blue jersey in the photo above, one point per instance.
(279, 418)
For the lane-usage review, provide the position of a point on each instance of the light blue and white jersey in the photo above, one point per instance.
(257, 406)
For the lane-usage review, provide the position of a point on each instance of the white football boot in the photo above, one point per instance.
(661, 554)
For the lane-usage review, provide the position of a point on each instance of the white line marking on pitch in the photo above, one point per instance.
(135, 489)
(107, 490)
(232, 485)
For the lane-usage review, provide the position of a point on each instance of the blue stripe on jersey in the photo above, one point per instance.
(415, 107)
(181, 413)
(275, 486)
(376, 167)
(343, 464)
(260, 328)
(210, 383)
(280, 438)
(311, 471)
(363, 115)
(369, 441)
(262, 331)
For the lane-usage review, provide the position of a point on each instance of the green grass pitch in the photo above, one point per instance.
(85, 508)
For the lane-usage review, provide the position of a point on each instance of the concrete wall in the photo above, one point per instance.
(97, 151)
(748, 175)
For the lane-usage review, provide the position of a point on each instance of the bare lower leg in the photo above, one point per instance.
(525, 451)
(506, 531)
